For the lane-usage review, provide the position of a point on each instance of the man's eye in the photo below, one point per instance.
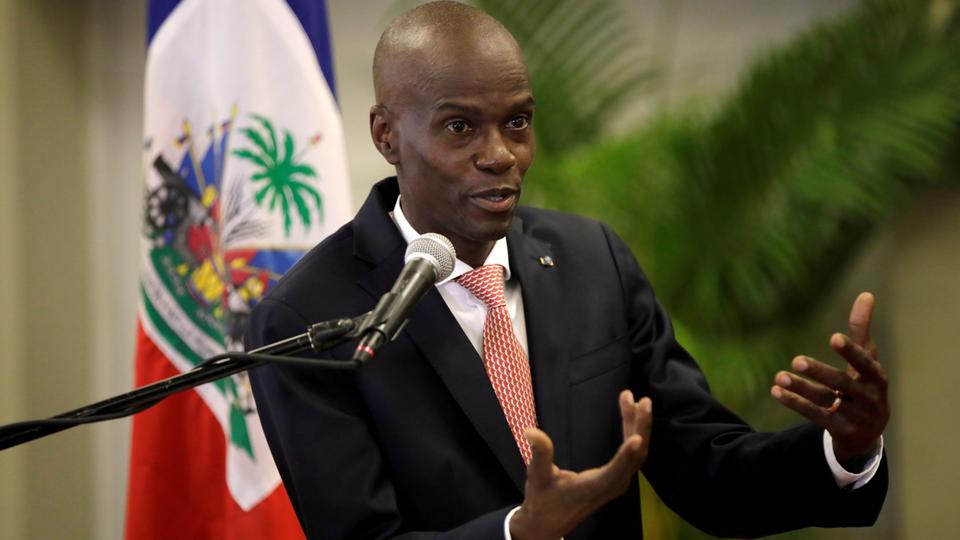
(519, 122)
(458, 126)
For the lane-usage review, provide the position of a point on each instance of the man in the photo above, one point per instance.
(431, 440)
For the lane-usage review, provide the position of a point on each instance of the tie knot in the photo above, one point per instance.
(486, 283)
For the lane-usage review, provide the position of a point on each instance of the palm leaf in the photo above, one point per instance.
(268, 127)
(748, 212)
(797, 169)
(280, 174)
(269, 153)
(309, 190)
(302, 187)
(305, 170)
(746, 219)
(285, 210)
(262, 192)
(275, 195)
(301, 206)
(250, 156)
(287, 147)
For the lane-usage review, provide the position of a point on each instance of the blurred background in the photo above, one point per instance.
(766, 160)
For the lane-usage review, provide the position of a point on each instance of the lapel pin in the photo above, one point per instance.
(547, 261)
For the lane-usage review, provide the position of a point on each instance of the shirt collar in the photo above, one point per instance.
(498, 255)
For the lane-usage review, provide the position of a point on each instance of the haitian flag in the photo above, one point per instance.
(245, 170)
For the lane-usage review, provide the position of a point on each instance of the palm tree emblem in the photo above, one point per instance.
(281, 180)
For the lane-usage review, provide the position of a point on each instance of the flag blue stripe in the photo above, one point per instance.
(313, 18)
(277, 260)
(311, 13)
(157, 12)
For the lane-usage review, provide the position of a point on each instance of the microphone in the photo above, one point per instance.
(429, 259)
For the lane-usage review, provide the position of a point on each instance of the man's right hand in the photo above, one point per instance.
(556, 501)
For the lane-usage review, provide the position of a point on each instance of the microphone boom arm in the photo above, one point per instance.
(318, 337)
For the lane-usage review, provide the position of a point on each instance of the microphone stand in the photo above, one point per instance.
(318, 337)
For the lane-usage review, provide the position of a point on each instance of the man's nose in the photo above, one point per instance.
(494, 155)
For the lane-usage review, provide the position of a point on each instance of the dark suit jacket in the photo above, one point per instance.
(415, 444)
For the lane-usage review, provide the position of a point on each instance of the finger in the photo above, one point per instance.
(847, 412)
(540, 471)
(812, 391)
(805, 407)
(636, 416)
(857, 356)
(628, 413)
(645, 419)
(860, 316)
(827, 375)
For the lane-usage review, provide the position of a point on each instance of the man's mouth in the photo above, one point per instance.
(497, 200)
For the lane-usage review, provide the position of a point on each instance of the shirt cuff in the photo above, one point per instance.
(506, 523)
(842, 476)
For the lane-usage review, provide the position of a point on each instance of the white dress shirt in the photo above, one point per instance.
(466, 308)
(471, 312)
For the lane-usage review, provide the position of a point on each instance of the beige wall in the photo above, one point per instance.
(925, 262)
(70, 199)
(114, 111)
(53, 264)
(70, 140)
(11, 391)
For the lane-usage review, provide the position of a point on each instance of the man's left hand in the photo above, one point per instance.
(851, 405)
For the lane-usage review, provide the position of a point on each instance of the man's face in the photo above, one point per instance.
(464, 141)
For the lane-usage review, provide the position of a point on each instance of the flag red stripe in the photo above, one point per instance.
(178, 484)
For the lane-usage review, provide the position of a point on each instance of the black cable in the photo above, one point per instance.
(80, 418)
(273, 359)
(28, 425)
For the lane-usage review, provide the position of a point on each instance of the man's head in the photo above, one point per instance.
(453, 114)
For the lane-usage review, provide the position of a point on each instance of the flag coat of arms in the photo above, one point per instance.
(245, 170)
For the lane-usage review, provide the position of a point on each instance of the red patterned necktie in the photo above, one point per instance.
(503, 357)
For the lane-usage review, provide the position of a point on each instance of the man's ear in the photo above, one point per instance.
(381, 130)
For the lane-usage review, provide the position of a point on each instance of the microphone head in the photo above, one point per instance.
(436, 249)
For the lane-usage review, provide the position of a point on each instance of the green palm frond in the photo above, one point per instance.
(305, 170)
(302, 210)
(306, 190)
(275, 195)
(287, 147)
(747, 217)
(740, 216)
(261, 193)
(280, 177)
(268, 154)
(285, 207)
(267, 126)
(256, 158)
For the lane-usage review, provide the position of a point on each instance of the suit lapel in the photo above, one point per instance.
(549, 359)
(438, 336)
(441, 340)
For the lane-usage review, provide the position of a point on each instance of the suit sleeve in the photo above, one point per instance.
(707, 464)
(331, 465)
